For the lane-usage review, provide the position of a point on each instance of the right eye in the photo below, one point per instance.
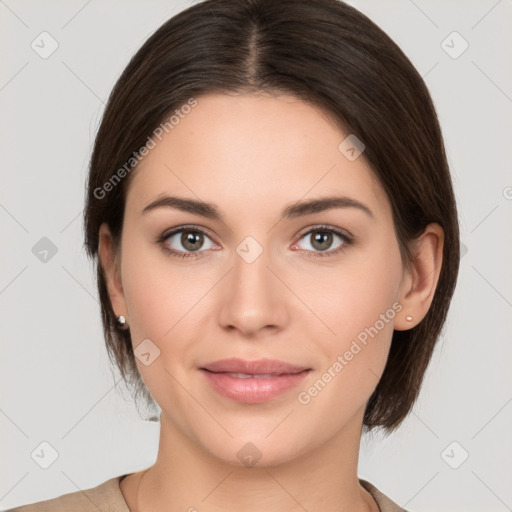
(184, 241)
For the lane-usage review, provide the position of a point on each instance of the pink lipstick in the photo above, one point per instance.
(253, 382)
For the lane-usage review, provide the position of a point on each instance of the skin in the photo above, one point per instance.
(252, 155)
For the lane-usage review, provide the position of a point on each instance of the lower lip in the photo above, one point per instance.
(253, 390)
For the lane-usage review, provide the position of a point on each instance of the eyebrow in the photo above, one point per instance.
(293, 210)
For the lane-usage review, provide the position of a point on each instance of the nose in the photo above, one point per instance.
(253, 298)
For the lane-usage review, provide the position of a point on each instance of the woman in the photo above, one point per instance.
(271, 210)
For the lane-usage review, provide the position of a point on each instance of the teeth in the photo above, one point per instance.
(250, 376)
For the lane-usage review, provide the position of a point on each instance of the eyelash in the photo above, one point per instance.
(347, 242)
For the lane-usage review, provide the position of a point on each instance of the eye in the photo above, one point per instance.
(321, 239)
(190, 241)
(184, 241)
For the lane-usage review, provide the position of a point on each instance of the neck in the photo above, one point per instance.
(186, 477)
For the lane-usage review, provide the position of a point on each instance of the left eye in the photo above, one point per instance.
(322, 239)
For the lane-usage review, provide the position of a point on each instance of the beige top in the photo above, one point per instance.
(107, 497)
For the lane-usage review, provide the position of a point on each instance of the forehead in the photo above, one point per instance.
(252, 152)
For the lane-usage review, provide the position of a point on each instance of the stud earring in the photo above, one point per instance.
(408, 318)
(121, 323)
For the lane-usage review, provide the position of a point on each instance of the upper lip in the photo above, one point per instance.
(258, 367)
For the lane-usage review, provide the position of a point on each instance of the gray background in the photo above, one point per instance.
(56, 383)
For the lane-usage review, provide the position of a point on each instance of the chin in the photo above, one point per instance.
(255, 453)
(256, 444)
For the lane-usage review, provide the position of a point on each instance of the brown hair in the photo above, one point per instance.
(330, 55)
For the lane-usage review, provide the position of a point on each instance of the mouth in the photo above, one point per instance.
(253, 382)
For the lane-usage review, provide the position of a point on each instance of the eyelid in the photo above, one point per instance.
(190, 227)
(327, 227)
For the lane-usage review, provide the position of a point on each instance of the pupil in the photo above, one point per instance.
(190, 240)
(324, 240)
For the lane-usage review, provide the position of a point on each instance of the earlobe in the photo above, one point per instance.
(108, 258)
(420, 282)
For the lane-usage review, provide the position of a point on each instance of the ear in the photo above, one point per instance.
(419, 283)
(109, 259)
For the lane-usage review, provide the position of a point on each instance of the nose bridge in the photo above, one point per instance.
(250, 266)
(251, 277)
(251, 296)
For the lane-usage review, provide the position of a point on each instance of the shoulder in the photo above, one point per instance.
(384, 503)
(106, 497)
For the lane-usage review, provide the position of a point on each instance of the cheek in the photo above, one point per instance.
(354, 359)
(159, 292)
(163, 306)
(359, 304)
(359, 292)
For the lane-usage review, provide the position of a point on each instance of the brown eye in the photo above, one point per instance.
(325, 240)
(321, 240)
(184, 241)
(191, 240)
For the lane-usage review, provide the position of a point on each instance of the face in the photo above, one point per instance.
(259, 323)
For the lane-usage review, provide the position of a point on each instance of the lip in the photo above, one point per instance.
(253, 382)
